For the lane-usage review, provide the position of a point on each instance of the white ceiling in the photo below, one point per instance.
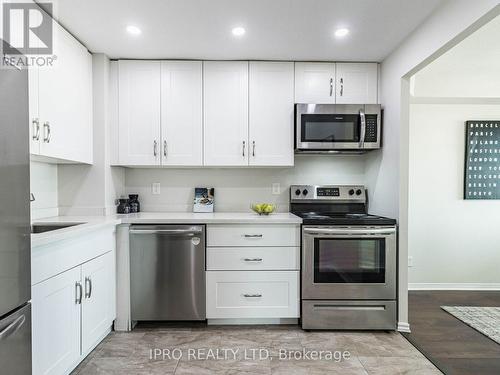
(275, 29)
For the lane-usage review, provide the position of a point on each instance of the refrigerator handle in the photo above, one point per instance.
(12, 327)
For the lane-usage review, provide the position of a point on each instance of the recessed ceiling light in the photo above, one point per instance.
(340, 33)
(134, 30)
(238, 31)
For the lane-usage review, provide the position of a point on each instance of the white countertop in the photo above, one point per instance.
(97, 222)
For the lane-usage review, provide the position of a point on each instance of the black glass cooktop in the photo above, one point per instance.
(327, 218)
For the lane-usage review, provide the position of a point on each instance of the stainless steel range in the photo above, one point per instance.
(348, 259)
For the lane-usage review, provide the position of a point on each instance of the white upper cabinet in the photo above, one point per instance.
(271, 103)
(182, 113)
(225, 94)
(357, 83)
(315, 83)
(61, 102)
(139, 112)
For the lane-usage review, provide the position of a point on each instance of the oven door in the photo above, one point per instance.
(349, 263)
(324, 127)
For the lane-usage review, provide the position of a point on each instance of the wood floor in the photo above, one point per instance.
(454, 347)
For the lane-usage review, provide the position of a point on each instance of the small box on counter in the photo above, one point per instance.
(204, 199)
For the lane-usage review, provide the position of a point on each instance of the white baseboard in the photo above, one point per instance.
(404, 327)
(454, 286)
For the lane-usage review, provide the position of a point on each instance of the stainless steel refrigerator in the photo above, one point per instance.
(15, 272)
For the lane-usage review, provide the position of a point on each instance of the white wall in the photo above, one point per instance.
(92, 189)
(237, 188)
(43, 183)
(454, 243)
(388, 173)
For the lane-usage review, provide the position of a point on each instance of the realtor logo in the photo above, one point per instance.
(27, 29)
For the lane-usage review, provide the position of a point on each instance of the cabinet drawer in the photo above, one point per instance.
(252, 294)
(253, 235)
(252, 258)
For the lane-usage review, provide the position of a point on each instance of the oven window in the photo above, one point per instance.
(329, 128)
(349, 260)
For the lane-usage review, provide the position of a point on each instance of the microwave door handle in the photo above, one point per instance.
(363, 129)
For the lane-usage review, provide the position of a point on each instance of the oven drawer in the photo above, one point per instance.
(252, 258)
(253, 235)
(252, 294)
(362, 315)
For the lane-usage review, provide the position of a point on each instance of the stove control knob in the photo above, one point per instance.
(351, 192)
(358, 192)
(297, 192)
(305, 192)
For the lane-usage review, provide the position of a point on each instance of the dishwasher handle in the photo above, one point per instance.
(192, 231)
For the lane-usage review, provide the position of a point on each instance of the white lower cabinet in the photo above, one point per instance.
(72, 313)
(56, 323)
(252, 271)
(253, 294)
(96, 305)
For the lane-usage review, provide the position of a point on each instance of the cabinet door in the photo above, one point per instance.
(139, 112)
(56, 323)
(357, 83)
(315, 83)
(65, 101)
(97, 300)
(271, 113)
(225, 94)
(181, 113)
(34, 117)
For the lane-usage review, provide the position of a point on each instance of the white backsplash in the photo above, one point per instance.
(237, 188)
(43, 185)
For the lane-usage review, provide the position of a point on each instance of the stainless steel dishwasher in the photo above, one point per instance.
(167, 272)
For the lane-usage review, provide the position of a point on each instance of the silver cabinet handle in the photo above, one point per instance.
(331, 86)
(12, 327)
(253, 148)
(165, 148)
(253, 259)
(46, 132)
(243, 153)
(155, 148)
(363, 128)
(252, 235)
(88, 293)
(252, 295)
(342, 87)
(78, 293)
(36, 129)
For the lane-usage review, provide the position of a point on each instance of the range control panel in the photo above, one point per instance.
(327, 193)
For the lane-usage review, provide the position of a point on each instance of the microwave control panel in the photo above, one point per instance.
(371, 128)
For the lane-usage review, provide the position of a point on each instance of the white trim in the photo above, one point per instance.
(251, 321)
(454, 286)
(404, 327)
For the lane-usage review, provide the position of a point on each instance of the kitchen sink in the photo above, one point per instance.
(42, 228)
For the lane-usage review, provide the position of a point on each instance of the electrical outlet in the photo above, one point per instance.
(155, 188)
(276, 188)
(410, 261)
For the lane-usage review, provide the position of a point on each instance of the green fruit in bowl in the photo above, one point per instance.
(263, 208)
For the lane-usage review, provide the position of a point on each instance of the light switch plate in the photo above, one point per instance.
(155, 188)
(276, 188)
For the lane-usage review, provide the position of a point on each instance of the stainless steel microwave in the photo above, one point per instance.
(332, 128)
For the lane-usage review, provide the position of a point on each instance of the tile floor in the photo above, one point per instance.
(370, 352)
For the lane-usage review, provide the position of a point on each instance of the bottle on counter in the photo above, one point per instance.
(133, 201)
(123, 206)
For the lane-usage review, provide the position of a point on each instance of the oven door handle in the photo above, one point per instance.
(350, 231)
